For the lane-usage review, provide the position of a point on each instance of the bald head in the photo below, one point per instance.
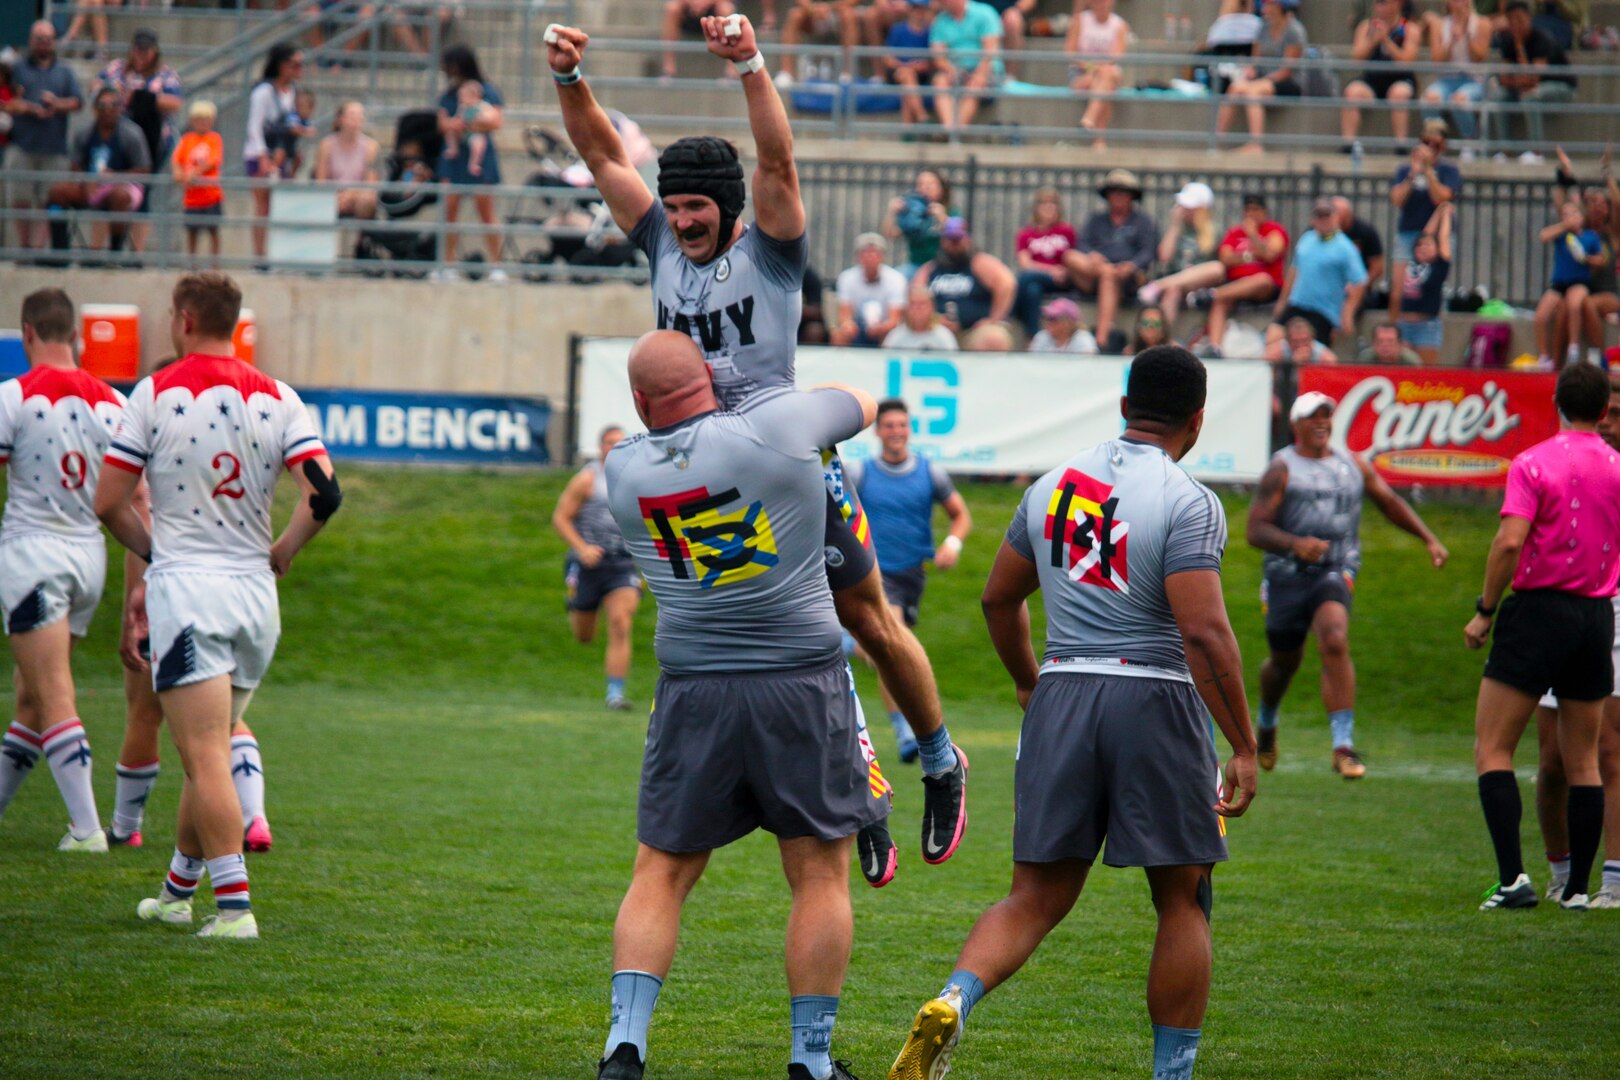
(669, 379)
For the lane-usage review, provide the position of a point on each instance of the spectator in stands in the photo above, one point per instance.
(1420, 187)
(921, 329)
(1577, 250)
(818, 20)
(113, 152)
(1232, 34)
(1389, 42)
(1252, 256)
(1015, 15)
(1062, 331)
(1041, 246)
(460, 64)
(918, 216)
(1299, 344)
(1604, 298)
(1096, 33)
(813, 316)
(988, 337)
(272, 106)
(1386, 348)
(196, 163)
(1188, 251)
(970, 287)
(1420, 299)
(909, 63)
(349, 156)
(1152, 328)
(151, 96)
(1326, 281)
(686, 17)
(1117, 246)
(1362, 234)
(1536, 83)
(92, 13)
(1275, 72)
(871, 295)
(1459, 36)
(966, 38)
(8, 60)
(47, 93)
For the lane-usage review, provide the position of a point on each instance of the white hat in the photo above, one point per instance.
(1195, 196)
(1307, 405)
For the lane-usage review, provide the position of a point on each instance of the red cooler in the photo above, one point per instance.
(246, 336)
(112, 340)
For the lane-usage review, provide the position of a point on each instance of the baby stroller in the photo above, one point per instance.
(417, 144)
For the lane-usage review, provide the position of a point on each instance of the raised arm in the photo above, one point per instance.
(1400, 513)
(592, 133)
(1217, 670)
(778, 210)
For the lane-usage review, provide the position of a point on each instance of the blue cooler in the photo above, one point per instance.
(12, 360)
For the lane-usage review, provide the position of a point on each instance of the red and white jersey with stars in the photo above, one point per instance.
(55, 425)
(212, 434)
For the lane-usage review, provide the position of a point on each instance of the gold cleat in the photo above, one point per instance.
(1267, 739)
(927, 1053)
(1347, 763)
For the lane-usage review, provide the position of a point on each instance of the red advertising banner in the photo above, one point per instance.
(1443, 426)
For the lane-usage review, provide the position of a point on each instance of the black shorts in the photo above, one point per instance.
(847, 541)
(1545, 639)
(1284, 87)
(732, 752)
(1128, 760)
(203, 217)
(1289, 602)
(1562, 287)
(588, 585)
(1320, 324)
(1381, 82)
(904, 589)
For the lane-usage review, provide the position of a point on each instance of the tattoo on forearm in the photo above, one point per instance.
(1218, 680)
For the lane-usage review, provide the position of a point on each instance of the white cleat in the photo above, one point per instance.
(1578, 902)
(243, 926)
(1605, 899)
(96, 842)
(1555, 889)
(157, 909)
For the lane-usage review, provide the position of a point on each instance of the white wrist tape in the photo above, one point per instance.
(953, 544)
(751, 65)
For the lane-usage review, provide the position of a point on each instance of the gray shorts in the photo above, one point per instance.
(1289, 602)
(774, 750)
(904, 589)
(1128, 760)
(30, 192)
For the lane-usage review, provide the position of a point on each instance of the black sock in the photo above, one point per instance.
(1585, 829)
(1499, 795)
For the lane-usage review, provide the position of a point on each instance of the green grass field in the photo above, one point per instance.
(454, 819)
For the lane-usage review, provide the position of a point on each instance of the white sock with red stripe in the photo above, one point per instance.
(184, 873)
(19, 753)
(135, 784)
(229, 875)
(68, 751)
(247, 773)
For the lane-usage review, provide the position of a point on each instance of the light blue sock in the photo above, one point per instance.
(1343, 723)
(615, 688)
(937, 755)
(1173, 1052)
(1269, 715)
(813, 1019)
(848, 643)
(634, 995)
(902, 730)
(970, 986)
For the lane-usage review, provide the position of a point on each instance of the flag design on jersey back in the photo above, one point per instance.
(832, 470)
(1086, 540)
(710, 537)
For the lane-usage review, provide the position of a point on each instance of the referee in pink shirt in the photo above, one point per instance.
(1559, 542)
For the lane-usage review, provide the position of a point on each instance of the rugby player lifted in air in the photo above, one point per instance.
(211, 434)
(1307, 519)
(738, 292)
(55, 422)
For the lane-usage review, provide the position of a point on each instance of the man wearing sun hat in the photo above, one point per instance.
(1117, 247)
(1062, 331)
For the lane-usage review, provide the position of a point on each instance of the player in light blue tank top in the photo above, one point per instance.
(1307, 519)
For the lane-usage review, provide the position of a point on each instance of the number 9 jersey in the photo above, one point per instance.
(55, 424)
(212, 434)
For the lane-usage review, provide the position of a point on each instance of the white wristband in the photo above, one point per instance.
(953, 544)
(751, 65)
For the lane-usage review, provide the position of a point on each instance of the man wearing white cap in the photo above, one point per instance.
(871, 295)
(1307, 519)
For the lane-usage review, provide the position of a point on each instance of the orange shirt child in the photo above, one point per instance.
(201, 155)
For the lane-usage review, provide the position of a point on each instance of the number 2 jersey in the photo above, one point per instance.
(212, 434)
(55, 425)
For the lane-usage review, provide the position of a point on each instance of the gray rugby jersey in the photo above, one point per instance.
(1323, 500)
(595, 523)
(725, 514)
(1104, 530)
(742, 309)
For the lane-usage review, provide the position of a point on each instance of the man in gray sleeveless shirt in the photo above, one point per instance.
(599, 573)
(736, 290)
(1126, 550)
(1306, 517)
(754, 722)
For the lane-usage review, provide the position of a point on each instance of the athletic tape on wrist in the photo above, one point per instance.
(753, 64)
(954, 544)
(566, 78)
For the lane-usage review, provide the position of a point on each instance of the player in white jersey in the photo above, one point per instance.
(55, 423)
(211, 435)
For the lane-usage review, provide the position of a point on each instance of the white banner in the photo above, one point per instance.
(985, 413)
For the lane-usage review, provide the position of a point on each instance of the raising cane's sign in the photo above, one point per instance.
(1436, 425)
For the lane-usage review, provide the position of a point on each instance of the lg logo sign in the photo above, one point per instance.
(931, 386)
